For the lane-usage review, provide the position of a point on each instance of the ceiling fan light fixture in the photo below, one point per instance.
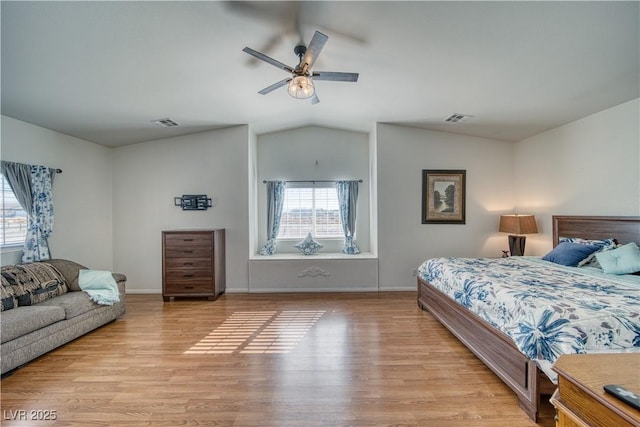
(301, 87)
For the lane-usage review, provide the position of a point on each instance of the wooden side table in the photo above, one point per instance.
(580, 399)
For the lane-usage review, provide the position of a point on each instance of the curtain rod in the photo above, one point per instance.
(314, 180)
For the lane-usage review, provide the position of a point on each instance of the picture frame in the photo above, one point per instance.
(443, 196)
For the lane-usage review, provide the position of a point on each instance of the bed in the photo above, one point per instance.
(497, 348)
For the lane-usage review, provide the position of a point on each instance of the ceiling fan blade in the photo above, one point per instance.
(315, 99)
(275, 86)
(313, 50)
(267, 59)
(335, 76)
(269, 46)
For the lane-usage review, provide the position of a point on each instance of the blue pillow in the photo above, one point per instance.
(623, 260)
(308, 246)
(603, 244)
(570, 254)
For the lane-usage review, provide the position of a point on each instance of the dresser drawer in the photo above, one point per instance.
(182, 287)
(188, 252)
(200, 264)
(188, 274)
(188, 239)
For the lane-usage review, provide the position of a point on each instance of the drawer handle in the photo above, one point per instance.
(188, 252)
(188, 240)
(188, 275)
(188, 263)
(188, 287)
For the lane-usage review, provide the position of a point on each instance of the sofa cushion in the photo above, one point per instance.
(73, 303)
(23, 320)
(33, 283)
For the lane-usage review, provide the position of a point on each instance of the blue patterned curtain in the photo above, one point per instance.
(32, 187)
(275, 200)
(348, 200)
(36, 246)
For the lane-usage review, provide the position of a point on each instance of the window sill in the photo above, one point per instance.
(317, 256)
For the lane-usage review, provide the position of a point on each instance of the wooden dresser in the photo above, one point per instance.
(193, 263)
(580, 399)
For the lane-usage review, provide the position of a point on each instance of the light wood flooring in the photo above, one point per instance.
(281, 360)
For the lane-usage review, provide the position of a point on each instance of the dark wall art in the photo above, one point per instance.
(443, 196)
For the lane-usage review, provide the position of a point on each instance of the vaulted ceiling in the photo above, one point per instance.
(104, 71)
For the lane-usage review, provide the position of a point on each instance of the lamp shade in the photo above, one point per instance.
(518, 224)
(301, 87)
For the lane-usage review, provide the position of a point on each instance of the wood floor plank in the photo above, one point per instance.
(303, 360)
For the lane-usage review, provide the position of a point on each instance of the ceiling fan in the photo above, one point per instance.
(301, 80)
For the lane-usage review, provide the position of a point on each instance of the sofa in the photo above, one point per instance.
(43, 307)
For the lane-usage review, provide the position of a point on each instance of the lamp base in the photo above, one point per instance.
(516, 245)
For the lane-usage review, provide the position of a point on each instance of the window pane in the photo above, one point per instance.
(297, 213)
(13, 217)
(310, 210)
(327, 213)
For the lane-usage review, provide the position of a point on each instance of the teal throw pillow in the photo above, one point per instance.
(623, 260)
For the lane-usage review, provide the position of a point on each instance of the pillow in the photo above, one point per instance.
(308, 246)
(32, 283)
(623, 260)
(604, 245)
(570, 254)
(7, 296)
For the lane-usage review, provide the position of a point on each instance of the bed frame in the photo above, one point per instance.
(496, 349)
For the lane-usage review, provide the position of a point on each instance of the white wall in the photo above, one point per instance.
(148, 176)
(404, 242)
(82, 194)
(587, 167)
(315, 153)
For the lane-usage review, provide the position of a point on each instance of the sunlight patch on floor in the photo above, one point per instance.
(251, 332)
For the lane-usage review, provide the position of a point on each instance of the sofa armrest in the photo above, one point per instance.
(121, 281)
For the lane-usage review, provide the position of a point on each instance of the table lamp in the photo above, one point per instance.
(517, 225)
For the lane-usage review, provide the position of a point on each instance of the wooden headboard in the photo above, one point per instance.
(624, 229)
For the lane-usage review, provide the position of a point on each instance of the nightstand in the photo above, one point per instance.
(580, 399)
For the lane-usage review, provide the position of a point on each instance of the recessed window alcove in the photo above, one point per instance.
(313, 154)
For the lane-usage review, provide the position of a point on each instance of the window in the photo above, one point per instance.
(14, 218)
(310, 210)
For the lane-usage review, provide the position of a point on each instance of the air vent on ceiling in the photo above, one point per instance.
(167, 123)
(457, 118)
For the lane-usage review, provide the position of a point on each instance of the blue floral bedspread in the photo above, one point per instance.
(547, 309)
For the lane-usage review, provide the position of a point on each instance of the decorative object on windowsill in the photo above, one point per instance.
(308, 246)
(517, 225)
(193, 202)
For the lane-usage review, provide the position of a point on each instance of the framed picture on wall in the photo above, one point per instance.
(443, 196)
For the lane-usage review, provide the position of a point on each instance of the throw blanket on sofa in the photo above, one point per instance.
(100, 285)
